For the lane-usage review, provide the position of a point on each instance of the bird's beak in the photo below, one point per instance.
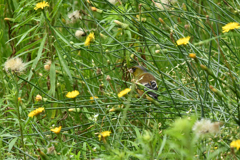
(130, 70)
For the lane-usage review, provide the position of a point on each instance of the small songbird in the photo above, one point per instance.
(146, 79)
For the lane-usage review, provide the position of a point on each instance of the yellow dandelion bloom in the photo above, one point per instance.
(57, 129)
(90, 38)
(183, 41)
(41, 5)
(91, 98)
(72, 94)
(104, 134)
(192, 55)
(235, 144)
(124, 92)
(36, 112)
(230, 26)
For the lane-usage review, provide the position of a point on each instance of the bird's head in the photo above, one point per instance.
(137, 70)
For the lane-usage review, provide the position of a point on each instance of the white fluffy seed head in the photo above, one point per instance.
(14, 64)
(205, 126)
(74, 16)
(79, 33)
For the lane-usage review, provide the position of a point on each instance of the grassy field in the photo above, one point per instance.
(64, 64)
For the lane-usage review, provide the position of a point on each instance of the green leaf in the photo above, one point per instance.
(24, 35)
(64, 65)
(61, 37)
(55, 9)
(12, 143)
(39, 54)
(52, 79)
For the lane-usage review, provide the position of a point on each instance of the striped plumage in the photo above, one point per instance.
(146, 79)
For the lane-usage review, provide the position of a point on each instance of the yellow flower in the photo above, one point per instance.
(89, 39)
(230, 26)
(183, 40)
(41, 5)
(36, 112)
(19, 99)
(235, 144)
(72, 94)
(104, 134)
(192, 55)
(94, 97)
(124, 92)
(57, 129)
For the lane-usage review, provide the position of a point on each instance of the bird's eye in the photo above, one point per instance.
(134, 69)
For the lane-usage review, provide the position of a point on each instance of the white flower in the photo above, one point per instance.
(94, 117)
(14, 64)
(79, 33)
(205, 126)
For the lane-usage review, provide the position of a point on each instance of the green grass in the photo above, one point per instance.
(141, 129)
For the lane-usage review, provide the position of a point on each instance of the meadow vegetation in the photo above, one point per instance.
(66, 92)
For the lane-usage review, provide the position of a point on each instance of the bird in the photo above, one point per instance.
(146, 79)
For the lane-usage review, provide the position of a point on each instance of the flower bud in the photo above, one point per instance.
(38, 98)
(123, 25)
(220, 94)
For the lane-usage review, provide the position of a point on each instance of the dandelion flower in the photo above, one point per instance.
(14, 64)
(230, 26)
(38, 98)
(235, 144)
(57, 129)
(183, 41)
(104, 134)
(204, 127)
(91, 98)
(89, 39)
(192, 55)
(72, 94)
(124, 92)
(36, 112)
(41, 5)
